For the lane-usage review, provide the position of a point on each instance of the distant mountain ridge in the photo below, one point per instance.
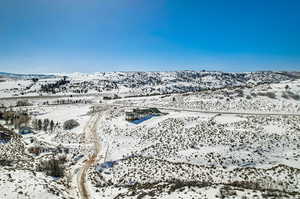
(147, 83)
(25, 76)
(151, 83)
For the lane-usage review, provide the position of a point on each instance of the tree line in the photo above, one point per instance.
(50, 88)
(67, 101)
(45, 125)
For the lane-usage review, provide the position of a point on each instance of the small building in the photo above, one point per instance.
(105, 165)
(25, 130)
(137, 114)
(130, 116)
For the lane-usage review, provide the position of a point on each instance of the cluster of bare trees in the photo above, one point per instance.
(80, 91)
(21, 119)
(18, 119)
(53, 167)
(45, 125)
(23, 103)
(67, 101)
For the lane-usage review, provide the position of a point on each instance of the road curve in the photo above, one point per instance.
(91, 136)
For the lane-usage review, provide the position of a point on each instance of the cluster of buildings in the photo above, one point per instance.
(137, 113)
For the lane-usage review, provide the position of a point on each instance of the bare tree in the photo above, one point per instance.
(46, 124)
(40, 123)
(34, 124)
(51, 125)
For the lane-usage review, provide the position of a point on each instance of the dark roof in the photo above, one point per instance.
(25, 130)
(146, 110)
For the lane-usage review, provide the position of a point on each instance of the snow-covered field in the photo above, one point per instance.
(190, 148)
(28, 184)
(221, 142)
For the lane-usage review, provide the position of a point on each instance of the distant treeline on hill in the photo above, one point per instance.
(26, 76)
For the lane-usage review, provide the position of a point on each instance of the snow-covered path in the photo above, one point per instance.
(91, 136)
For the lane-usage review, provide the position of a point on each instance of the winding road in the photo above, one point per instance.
(91, 137)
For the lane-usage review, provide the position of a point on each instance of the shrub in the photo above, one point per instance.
(240, 93)
(70, 124)
(253, 94)
(4, 162)
(271, 95)
(289, 94)
(52, 167)
(285, 95)
(23, 103)
(293, 95)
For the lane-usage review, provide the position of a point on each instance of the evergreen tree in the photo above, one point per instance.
(287, 87)
(40, 123)
(46, 124)
(51, 125)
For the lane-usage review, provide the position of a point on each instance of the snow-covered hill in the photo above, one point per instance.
(137, 83)
(236, 138)
(170, 82)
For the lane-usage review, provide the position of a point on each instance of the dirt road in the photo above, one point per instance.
(91, 137)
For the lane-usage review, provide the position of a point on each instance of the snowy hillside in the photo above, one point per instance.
(25, 76)
(136, 83)
(108, 135)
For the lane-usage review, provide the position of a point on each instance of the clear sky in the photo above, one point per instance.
(41, 36)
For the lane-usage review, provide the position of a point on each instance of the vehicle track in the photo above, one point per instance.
(91, 136)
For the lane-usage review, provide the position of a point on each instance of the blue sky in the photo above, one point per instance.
(42, 36)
